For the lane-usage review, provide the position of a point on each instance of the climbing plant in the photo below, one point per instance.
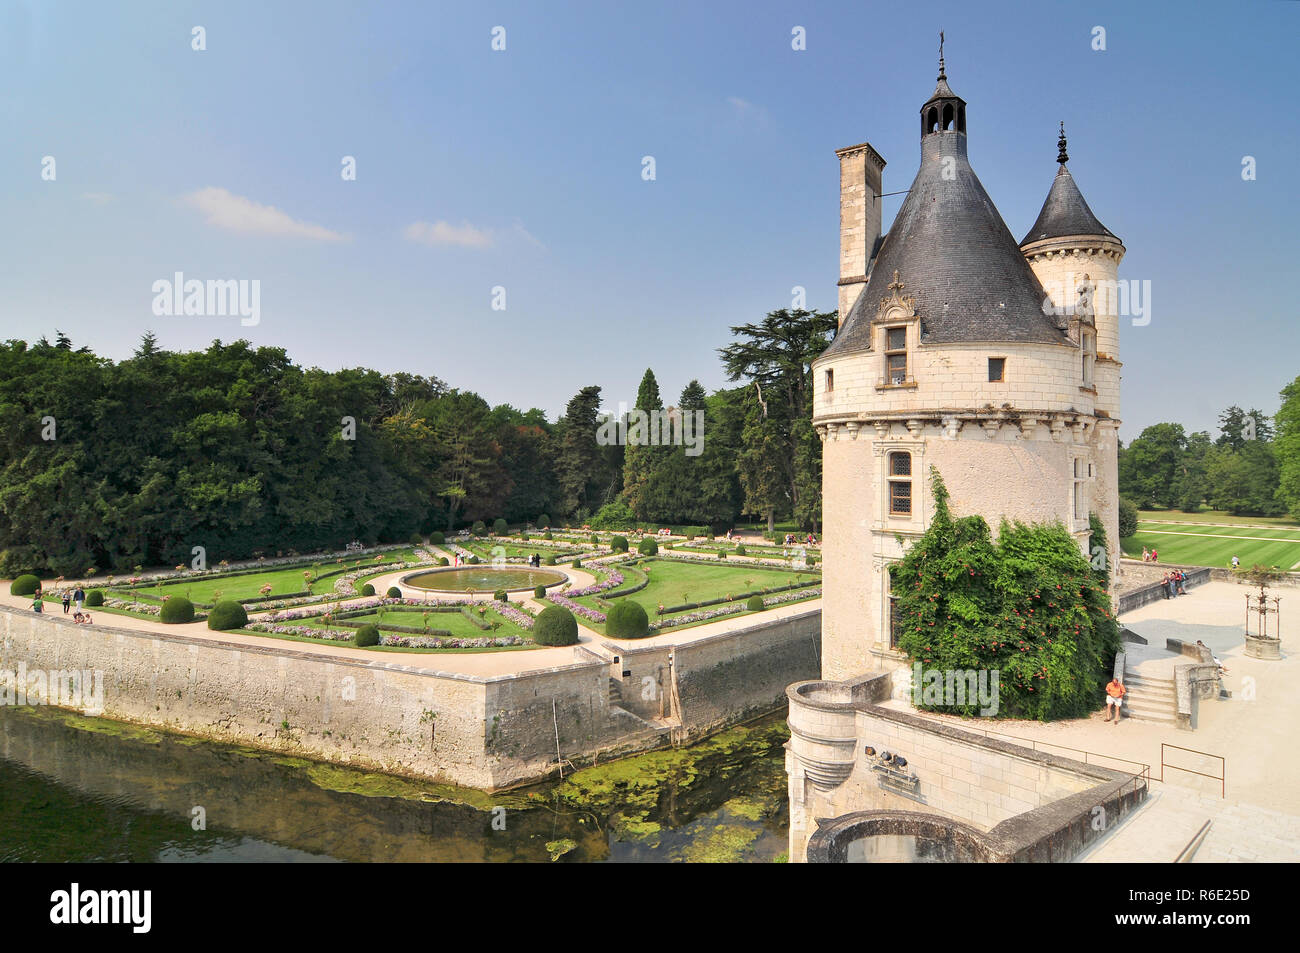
(1029, 606)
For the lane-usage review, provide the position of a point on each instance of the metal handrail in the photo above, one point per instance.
(1221, 777)
(1145, 769)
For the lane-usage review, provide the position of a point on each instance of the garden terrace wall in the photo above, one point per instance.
(378, 712)
(1146, 595)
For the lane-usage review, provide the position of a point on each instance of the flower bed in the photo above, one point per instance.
(515, 614)
(591, 615)
(735, 607)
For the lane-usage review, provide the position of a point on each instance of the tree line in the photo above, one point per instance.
(235, 448)
(1250, 468)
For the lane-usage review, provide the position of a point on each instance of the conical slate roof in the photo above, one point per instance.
(956, 257)
(1065, 212)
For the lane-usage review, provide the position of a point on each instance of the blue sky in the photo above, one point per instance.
(522, 169)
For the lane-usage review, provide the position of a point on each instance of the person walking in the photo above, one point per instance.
(79, 597)
(67, 601)
(1236, 563)
(1114, 698)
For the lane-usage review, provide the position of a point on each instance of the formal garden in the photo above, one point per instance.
(640, 584)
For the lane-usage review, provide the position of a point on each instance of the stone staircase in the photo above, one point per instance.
(1150, 699)
(615, 692)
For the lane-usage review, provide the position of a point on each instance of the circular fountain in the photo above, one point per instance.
(456, 579)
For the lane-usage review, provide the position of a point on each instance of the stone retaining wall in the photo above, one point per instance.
(380, 714)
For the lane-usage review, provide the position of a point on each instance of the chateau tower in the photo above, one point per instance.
(1077, 259)
(951, 353)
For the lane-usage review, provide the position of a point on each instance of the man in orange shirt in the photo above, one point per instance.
(1114, 698)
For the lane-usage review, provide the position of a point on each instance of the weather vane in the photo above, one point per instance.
(941, 54)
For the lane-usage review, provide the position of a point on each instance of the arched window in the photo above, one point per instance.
(932, 120)
(947, 117)
(961, 118)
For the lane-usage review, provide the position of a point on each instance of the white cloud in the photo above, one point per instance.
(444, 233)
(238, 214)
(744, 110)
(99, 198)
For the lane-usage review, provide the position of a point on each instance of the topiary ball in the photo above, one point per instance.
(95, 597)
(754, 603)
(394, 592)
(24, 585)
(595, 539)
(627, 620)
(618, 544)
(367, 635)
(550, 560)
(226, 615)
(416, 539)
(555, 625)
(577, 564)
(647, 547)
(722, 554)
(177, 609)
(472, 560)
(539, 592)
(543, 521)
(501, 596)
(367, 590)
(437, 538)
(740, 550)
(479, 528)
(548, 535)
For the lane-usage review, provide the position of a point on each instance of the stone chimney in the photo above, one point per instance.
(860, 179)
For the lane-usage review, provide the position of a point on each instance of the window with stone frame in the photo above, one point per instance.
(895, 620)
(900, 484)
(1088, 345)
(1079, 506)
(896, 355)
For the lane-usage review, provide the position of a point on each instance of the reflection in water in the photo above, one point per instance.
(902, 849)
(81, 789)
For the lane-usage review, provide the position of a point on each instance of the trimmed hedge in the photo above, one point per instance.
(740, 550)
(577, 564)
(618, 544)
(501, 596)
(472, 560)
(177, 609)
(366, 636)
(366, 590)
(555, 625)
(754, 603)
(549, 560)
(95, 597)
(394, 592)
(499, 527)
(543, 521)
(539, 592)
(416, 539)
(627, 620)
(647, 547)
(437, 538)
(226, 615)
(479, 528)
(548, 535)
(1128, 518)
(24, 585)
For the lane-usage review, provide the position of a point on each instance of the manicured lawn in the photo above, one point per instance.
(673, 583)
(1177, 542)
(283, 582)
(453, 622)
(1215, 516)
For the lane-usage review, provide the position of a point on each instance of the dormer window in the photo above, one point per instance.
(896, 355)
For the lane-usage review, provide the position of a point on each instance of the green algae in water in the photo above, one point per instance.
(558, 848)
(99, 726)
(725, 844)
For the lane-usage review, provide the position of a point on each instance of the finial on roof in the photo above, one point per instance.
(1061, 156)
(942, 75)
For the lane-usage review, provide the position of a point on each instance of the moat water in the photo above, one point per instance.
(81, 789)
